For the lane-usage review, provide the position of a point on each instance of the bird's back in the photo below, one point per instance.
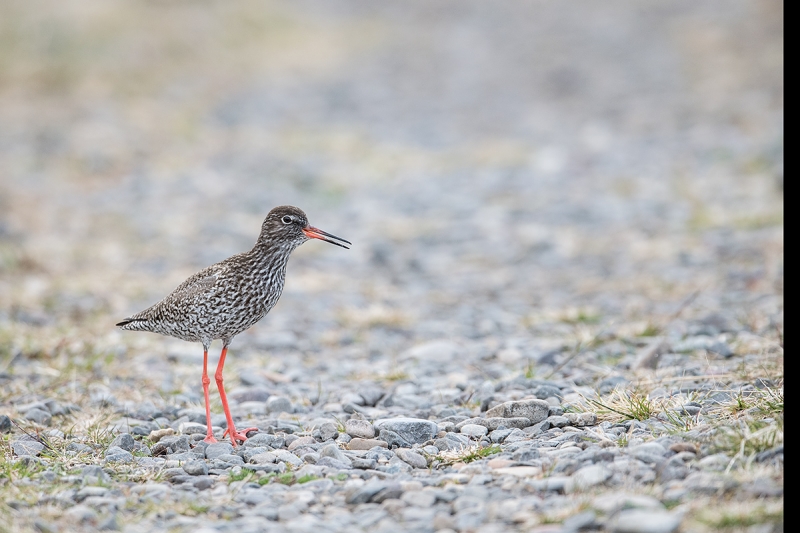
(218, 302)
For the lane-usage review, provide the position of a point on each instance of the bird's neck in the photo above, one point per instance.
(271, 255)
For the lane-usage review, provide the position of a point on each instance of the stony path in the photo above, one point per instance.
(563, 309)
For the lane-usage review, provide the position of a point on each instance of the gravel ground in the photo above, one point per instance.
(563, 308)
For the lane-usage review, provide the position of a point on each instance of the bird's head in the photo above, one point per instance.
(288, 224)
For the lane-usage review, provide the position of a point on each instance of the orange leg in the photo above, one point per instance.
(235, 435)
(209, 435)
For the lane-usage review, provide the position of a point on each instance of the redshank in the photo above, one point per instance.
(223, 300)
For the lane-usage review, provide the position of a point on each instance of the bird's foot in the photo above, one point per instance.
(210, 439)
(238, 435)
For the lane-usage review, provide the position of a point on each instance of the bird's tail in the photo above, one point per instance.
(133, 323)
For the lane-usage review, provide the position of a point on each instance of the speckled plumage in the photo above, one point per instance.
(223, 300)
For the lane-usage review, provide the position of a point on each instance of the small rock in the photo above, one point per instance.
(214, 450)
(333, 451)
(81, 514)
(364, 464)
(589, 476)
(115, 454)
(124, 441)
(359, 428)
(439, 351)
(94, 474)
(644, 521)
(558, 421)
(308, 440)
(366, 444)
(534, 410)
(523, 471)
(196, 468)
(5, 424)
(328, 431)
(411, 430)
(278, 404)
(366, 492)
(263, 458)
(581, 419)
(27, 446)
(38, 416)
(474, 430)
(412, 458)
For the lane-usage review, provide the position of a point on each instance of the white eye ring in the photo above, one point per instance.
(286, 219)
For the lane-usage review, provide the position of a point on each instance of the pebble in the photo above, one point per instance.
(196, 468)
(534, 410)
(410, 430)
(278, 404)
(359, 429)
(366, 444)
(26, 446)
(216, 449)
(644, 521)
(124, 441)
(39, 416)
(412, 458)
(474, 430)
(5, 424)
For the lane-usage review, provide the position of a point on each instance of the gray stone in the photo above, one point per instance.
(419, 498)
(124, 441)
(370, 394)
(216, 449)
(365, 444)
(474, 430)
(496, 422)
(333, 451)
(534, 410)
(412, 458)
(614, 502)
(410, 430)
(367, 492)
(171, 444)
(644, 521)
(285, 456)
(264, 439)
(580, 521)
(439, 351)
(229, 459)
(589, 476)
(38, 416)
(499, 435)
(115, 454)
(27, 446)
(5, 424)
(581, 419)
(94, 474)
(278, 404)
(334, 463)
(558, 421)
(196, 468)
(359, 428)
(364, 464)
(328, 431)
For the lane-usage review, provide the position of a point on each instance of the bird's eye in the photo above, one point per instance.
(287, 219)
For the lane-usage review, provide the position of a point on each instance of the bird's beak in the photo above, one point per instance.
(316, 233)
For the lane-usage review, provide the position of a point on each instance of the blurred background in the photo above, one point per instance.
(504, 169)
